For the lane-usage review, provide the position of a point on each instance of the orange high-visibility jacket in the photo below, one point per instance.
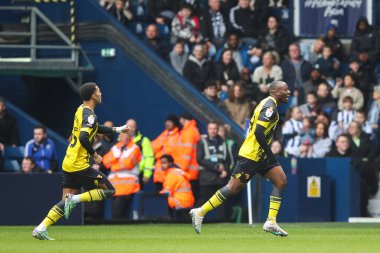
(178, 187)
(123, 162)
(185, 153)
(163, 145)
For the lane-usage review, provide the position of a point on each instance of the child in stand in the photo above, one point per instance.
(347, 115)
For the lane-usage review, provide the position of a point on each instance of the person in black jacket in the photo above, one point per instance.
(163, 11)
(214, 23)
(154, 41)
(362, 155)
(365, 39)
(8, 130)
(334, 42)
(226, 69)
(197, 69)
(274, 37)
(244, 20)
(214, 158)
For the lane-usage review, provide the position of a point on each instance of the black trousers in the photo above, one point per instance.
(121, 206)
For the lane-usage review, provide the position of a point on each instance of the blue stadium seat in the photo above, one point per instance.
(14, 153)
(11, 166)
(164, 30)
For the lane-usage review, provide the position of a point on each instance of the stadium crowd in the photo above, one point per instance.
(231, 51)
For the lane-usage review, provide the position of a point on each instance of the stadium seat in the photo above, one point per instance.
(378, 72)
(12, 166)
(14, 153)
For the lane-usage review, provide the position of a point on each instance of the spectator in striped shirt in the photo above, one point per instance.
(347, 115)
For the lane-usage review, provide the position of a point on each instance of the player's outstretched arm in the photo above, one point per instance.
(109, 130)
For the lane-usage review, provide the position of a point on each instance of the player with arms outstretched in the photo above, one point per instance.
(255, 156)
(76, 169)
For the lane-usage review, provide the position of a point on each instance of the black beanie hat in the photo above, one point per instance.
(173, 118)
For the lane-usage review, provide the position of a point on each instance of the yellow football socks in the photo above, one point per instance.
(53, 216)
(216, 200)
(93, 195)
(274, 206)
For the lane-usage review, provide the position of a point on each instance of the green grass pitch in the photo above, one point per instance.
(219, 238)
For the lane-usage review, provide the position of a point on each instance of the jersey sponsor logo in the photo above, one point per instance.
(269, 112)
(91, 119)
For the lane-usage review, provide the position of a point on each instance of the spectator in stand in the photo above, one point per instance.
(322, 143)
(244, 20)
(176, 185)
(184, 152)
(374, 110)
(239, 52)
(120, 10)
(213, 157)
(295, 70)
(361, 118)
(299, 145)
(334, 130)
(28, 166)
(252, 90)
(237, 105)
(313, 53)
(332, 40)
(163, 11)
(214, 23)
(232, 146)
(311, 84)
(123, 161)
(274, 37)
(342, 147)
(348, 90)
(347, 115)
(211, 93)
(267, 73)
(364, 74)
(185, 26)
(154, 41)
(311, 108)
(360, 145)
(8, 130)
(365, 40)
(276, 148)
(42, 150)
(146, 164)
(325, 100)
(164, 145)
(102, 144)
(178, 56)
(227, 72)
(327, 64)
(197, 69)
(293, 124)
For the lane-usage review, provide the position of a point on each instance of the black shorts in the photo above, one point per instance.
(246, 168)
(88, 179)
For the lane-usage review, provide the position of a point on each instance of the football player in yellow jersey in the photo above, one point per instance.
(76, 169)
(255, 156)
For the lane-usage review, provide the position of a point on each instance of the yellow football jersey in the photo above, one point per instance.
(266, 115)
(77, 157)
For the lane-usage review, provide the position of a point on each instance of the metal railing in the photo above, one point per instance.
(34, 14)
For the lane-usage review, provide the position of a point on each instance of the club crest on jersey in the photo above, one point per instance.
(269, 112)
(91, 119)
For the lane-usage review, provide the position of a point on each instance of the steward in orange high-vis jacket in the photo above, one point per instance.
(123, 160)
(163, 145)
(176, 185)
(184, 153)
